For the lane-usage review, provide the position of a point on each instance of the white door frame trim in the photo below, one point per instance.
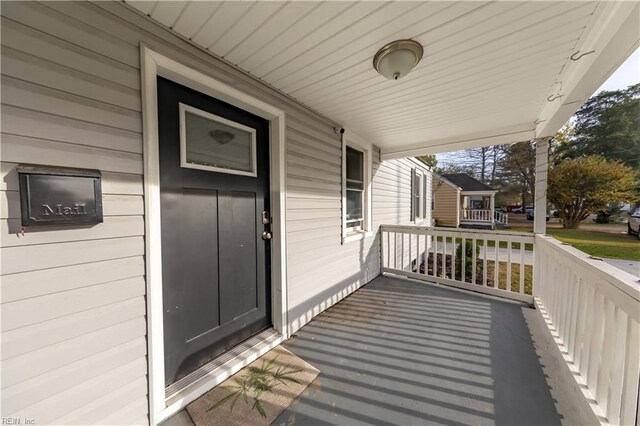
(154, 64)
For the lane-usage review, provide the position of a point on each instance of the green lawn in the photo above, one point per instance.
(491, 243)
(599, 244)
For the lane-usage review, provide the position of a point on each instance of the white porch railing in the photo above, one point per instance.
(593, 312)
(482, 215)
(502, 218)
(476, 215)
(497, 263)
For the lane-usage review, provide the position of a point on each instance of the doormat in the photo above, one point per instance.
(257, 394)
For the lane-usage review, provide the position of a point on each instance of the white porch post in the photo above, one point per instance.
(540, 194)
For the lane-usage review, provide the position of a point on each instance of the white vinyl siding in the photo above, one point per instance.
(392, 200)
(392, 191)
(73, 300)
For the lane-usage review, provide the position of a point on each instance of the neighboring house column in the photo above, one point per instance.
(540, 194)
(492, 207)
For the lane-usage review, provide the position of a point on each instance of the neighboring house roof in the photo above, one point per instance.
(467, 183)
(440, 178)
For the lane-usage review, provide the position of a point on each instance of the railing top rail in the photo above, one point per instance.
(620, 279)
(473, 232)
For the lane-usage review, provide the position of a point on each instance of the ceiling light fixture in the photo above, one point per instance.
(398, 58)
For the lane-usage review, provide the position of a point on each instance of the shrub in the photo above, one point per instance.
(468, 257)
(609, 215)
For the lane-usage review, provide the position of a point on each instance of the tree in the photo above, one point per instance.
(430, 160)
(453, 168)
(560, 143)
(518, 169)
(608, 124)
(481, 163)
(585, 185)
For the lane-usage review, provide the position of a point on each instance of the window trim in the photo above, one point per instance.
(418, 204)
(356, 142)
(360, 221)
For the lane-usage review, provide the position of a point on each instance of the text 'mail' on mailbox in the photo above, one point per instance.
(56, 196)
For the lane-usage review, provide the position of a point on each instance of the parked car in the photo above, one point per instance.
(523, 209)
(530, 215)
(633, 226)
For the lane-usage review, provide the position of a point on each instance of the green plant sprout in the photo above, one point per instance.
(255, 382)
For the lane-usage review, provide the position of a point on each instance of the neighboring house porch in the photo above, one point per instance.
(459, 200)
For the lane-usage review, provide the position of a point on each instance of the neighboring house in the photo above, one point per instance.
(460, 200)
(445, 201)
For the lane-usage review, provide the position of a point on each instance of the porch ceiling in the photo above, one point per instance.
(488, 68)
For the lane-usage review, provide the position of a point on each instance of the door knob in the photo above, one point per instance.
(266, 235)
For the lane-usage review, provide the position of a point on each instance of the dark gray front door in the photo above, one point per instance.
(214, 188)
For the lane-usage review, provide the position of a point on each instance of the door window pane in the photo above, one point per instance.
(214, 143)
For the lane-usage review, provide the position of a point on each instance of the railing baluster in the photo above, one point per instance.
(575, 308)
(395, 250)
(584, 359)
(608, 346)
(568, 304)
(564, 299)
(616, 373)
(473, 267)
(496, 264)
(629, 400)
(426, 254)
(522, 247)
(453, 258)
(388, 249)
(463, 260)
(402, 251)
(444, 255)
(417, 253)
(595, 348)
(508, 287)
(583, 291)
(410, 253)
(484, 263)
(435, 255)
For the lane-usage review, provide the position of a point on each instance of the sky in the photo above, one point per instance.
(627, 74)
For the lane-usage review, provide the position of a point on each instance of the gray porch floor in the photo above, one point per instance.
(401, 352)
